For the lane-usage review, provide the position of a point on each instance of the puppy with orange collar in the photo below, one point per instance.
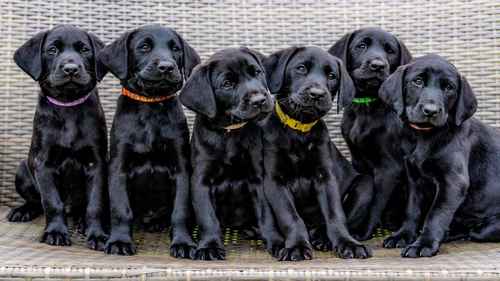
(149, 148)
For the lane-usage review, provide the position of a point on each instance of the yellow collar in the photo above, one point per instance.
(292, 123)
(234, 126)
(144, 99)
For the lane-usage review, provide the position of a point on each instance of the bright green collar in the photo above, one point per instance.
(364, 100)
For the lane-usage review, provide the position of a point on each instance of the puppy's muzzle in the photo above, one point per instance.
(257, 100)
(316, 93)
(378, 65)
(165, 67)
(430, 110)
(71, 69)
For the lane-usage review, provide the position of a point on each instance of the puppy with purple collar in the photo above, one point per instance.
(66, 165)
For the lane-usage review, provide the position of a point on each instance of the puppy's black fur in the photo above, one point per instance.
(66, 165)
(149, 148)
(305, 175)
(230, 88)
(453, 160)
(373, 132)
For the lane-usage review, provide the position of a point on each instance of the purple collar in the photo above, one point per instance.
(69, 104)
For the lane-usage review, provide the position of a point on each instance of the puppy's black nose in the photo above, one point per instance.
(70, 69)
(377, 65)
(165, 67)
(257, 101)
(430, 109)
(316, 93)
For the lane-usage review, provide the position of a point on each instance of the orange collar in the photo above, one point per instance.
(144, 99)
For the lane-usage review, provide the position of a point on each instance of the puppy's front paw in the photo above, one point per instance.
(56, 237)
(120, 246)
(420, 249)
(299, 253)
(209, 254)
(321, 244)
(183, 250)
(399, 240)
(96, 239)
(23, 213)
(350, 249)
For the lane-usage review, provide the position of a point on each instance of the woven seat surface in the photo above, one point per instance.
(466, 32)
(246, 259)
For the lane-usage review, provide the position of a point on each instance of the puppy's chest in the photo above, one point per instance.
(234, 166)
(300, 161)
(363, 130)
(153, 136)
(69, 134)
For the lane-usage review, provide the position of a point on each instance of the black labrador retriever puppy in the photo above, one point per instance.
(453, 161)
(229, 93)
(371, 129)
(149, 149)
(305, 176)
(65, 173)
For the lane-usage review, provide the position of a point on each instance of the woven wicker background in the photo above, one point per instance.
(467, 32)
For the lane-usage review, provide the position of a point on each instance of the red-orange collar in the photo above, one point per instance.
(144, 99)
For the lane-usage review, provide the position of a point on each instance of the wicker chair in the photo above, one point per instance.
(467, 32)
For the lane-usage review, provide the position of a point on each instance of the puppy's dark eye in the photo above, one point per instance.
(331, 76)
(389, 50)
(418, 82)
(84, 50)
(145, 47)
(362, 46)
(52, 50)
(449, 87)
(176, 49)
(301, 68)
(227, 84)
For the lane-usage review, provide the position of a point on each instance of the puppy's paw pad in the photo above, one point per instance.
(299, 253)
(397, 241)
(322, 244)
(122, 248)
(23, 213)
(209, 254)
(416, 250)
(183, 251)
(56, 238)
(275, 250)
(96, 241)
(350, 250)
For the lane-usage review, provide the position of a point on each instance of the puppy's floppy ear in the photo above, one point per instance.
(114, 57)
(197, 94)
(259, 57)
(346, 87)
(97, 45)
(392, 90)
(29, 56)
(341, 48)
(404, 54)
(466, 104)
(190, 57)
(275, 66)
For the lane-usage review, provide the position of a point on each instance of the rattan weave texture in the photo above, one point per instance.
(467, 32)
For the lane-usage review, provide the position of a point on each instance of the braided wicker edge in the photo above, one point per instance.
(150, 273)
